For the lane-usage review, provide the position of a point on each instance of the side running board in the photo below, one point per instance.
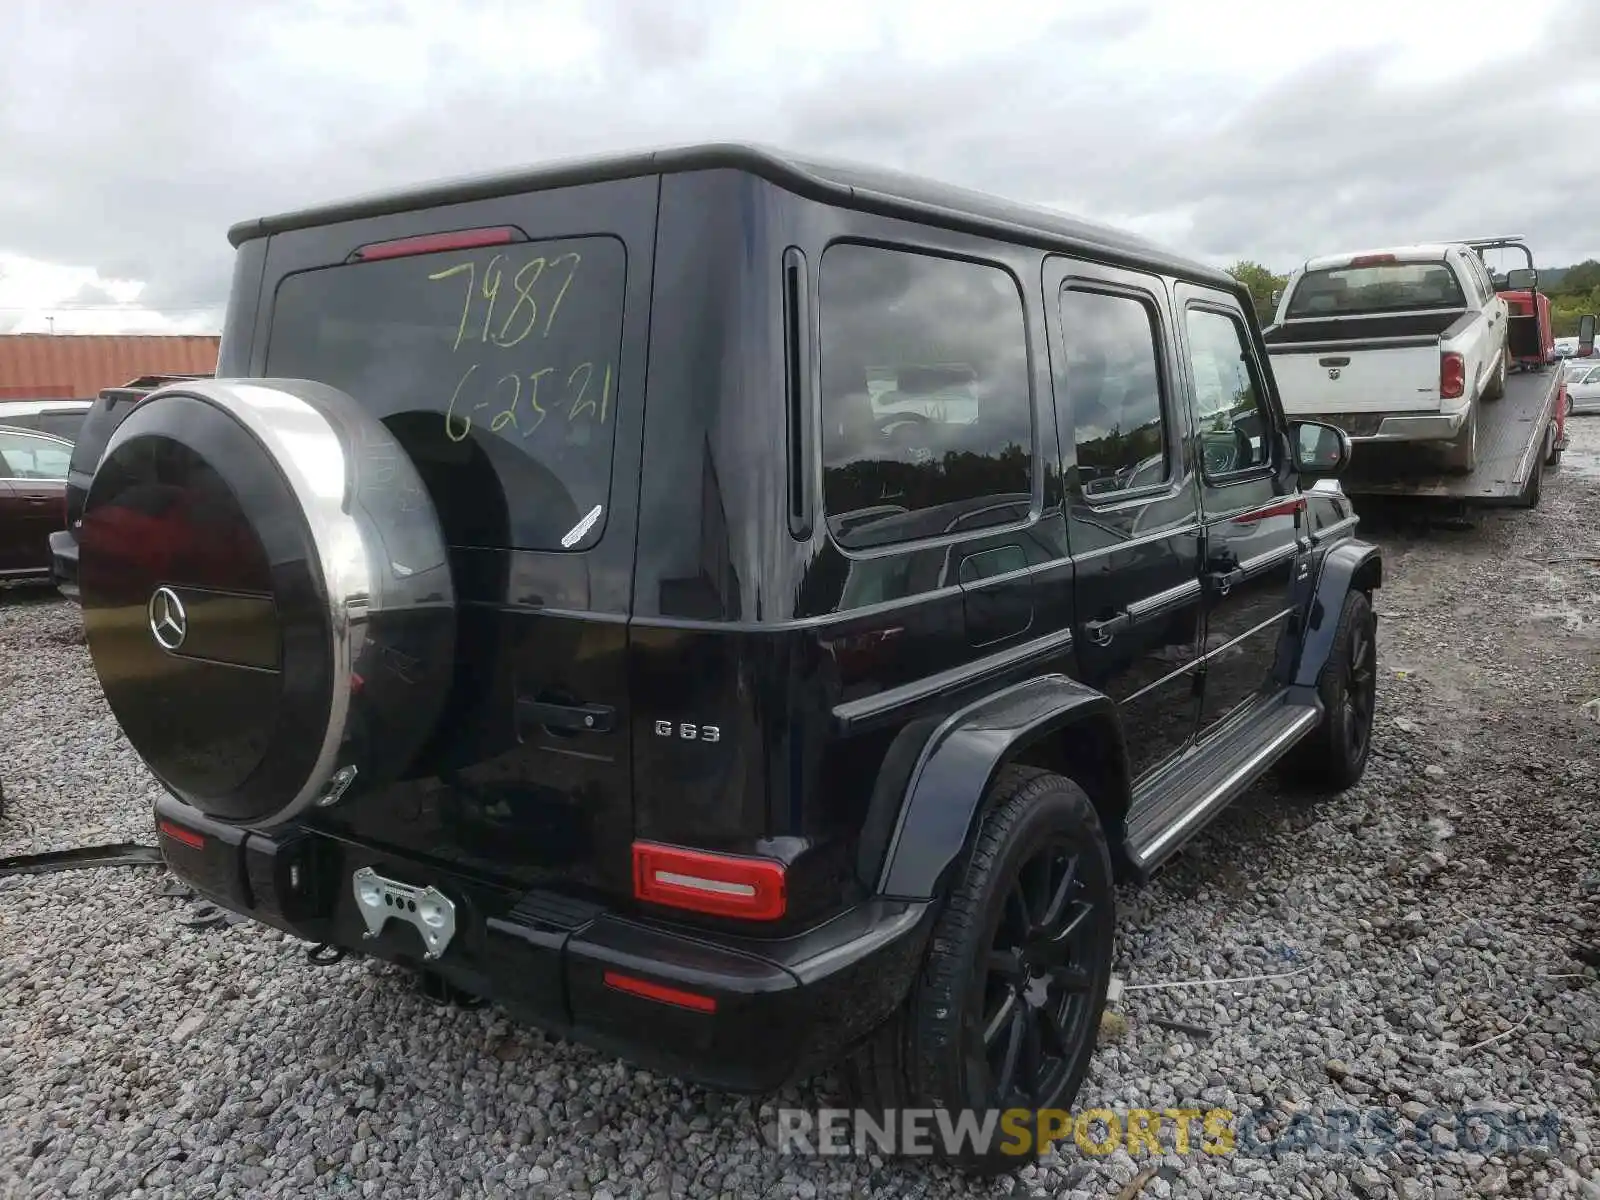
(1175, 804)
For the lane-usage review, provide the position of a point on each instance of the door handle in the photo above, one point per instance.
(1101, 632)
(1222, 581)
(571, 718)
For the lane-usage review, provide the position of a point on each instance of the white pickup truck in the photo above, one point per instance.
(1393, 345)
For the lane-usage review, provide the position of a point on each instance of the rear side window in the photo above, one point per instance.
(1112, 389)
(1381, 287)
(62, 424)
(927, 409)
(24, 457)
(495, 368)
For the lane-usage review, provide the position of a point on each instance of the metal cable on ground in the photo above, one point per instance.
(116, 854)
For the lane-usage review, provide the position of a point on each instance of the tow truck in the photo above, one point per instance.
(1519, 435)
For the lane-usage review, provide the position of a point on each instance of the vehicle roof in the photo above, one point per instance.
(1420, 252)
(851, 185)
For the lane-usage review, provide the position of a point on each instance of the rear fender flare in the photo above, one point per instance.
(1349, 564)
(945, 794)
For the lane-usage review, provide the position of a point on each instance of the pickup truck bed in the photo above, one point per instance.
(1510, 448)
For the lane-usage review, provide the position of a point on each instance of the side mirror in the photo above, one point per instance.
(1586, 335)
(1319, 449)
(1522, 279)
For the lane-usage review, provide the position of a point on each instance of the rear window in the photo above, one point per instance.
(1386, 287)
(62, 424)
(496, 368)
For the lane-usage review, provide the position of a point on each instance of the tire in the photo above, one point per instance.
(1040, 845)
(1497, 386)
(1533, 490)
(1333, 756)
(341, 652)
(1462, 455)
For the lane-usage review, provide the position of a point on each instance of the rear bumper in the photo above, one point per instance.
(1395, 426)
(782, 1008)
(64, 562)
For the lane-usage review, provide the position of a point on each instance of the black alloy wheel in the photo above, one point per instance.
(1333, 756)
(1036, 987)
(1360, 690)
(1004, 1013)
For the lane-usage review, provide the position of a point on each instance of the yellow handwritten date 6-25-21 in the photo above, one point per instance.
(525, 401)
(523, 317)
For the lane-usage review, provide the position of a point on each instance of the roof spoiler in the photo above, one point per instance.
(155, 381)
(146, 384)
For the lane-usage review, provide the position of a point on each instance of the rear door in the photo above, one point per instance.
(35, 467)
(13, 526)
(1583, 387)
(503, 343)
(1133, 521)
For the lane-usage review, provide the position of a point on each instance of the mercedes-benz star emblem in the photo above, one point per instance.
(169, 623)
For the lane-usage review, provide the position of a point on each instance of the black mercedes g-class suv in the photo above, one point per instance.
(738, 611)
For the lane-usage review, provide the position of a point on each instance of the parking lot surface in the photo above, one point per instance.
(1420, 931)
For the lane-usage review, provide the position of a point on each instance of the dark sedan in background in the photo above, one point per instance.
(33, 499)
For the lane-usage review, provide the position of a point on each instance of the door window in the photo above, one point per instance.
(1233, 422)
(1111, 388)
(26, 457)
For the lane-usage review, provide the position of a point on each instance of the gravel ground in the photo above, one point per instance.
(1422, 925)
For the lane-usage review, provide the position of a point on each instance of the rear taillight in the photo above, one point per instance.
(1452, 375)
(1371, 260)
(188, 837)
(724, 885)
(432, 243)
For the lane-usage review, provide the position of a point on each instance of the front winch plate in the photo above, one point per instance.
(427, 910)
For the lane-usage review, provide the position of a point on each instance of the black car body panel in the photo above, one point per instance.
(544, 956)
(1077, 541)
(1346, 564)
(962, 756)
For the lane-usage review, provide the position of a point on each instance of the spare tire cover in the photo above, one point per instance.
(267, 596)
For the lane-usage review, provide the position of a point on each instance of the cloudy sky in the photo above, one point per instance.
(132, 135)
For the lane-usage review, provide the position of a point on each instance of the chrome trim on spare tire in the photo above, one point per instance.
(344, 469)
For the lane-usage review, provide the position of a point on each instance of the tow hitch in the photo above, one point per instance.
(427, 910)
(436, 989)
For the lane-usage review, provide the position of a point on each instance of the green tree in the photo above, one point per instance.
(1261, 283)
(1577, 293)
(1579, 280)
